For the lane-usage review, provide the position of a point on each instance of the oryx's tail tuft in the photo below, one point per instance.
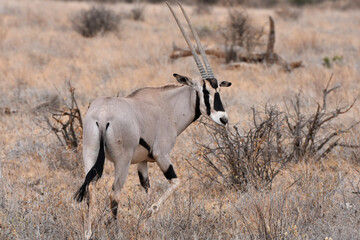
(94, 173)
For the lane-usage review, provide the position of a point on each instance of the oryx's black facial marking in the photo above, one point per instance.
(206, 99)
(143, 143)
(197, 107)
(217, 103)
(213, 82)
(170, 173)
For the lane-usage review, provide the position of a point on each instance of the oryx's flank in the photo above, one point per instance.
(143, 127)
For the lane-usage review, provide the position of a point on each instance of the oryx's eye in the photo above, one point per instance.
(217, 103)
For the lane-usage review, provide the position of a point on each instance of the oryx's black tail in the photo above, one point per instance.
(94, 173)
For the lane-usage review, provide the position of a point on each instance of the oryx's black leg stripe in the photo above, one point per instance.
(114, 208)
(206, 99)
(170, 173)
(145, 183)
(217, 103)
(197, 107)
(143, 143)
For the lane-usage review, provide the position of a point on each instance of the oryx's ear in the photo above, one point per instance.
(225, 84)
(183, 79)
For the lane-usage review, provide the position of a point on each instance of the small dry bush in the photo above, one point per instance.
(248, 157)
(63, 118)
(138, 12)
(240, 33)
(204, 6)
(255, 155)
(97, 20)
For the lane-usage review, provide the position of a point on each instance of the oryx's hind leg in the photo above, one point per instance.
(122, 162)
(167, 168)
(143, 175)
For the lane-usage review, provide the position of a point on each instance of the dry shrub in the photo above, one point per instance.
(254, 156)
(203, 6)
(240, 33)
(61, 118)
(247, 157)
(138, 12)
(97, 20)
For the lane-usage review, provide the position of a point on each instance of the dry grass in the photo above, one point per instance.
(40, 52)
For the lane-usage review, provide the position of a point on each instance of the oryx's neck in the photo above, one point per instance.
(181, 105)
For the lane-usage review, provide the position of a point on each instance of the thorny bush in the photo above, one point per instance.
(62, 118)
(255, 155)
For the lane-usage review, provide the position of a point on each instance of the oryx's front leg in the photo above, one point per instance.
(168, 170)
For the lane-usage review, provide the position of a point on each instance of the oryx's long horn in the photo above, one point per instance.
(200, 66)
(197, 39)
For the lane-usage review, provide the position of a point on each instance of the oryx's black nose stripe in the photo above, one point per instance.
(206, 99)
(217, 103)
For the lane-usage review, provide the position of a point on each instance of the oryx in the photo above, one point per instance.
(143, 127)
